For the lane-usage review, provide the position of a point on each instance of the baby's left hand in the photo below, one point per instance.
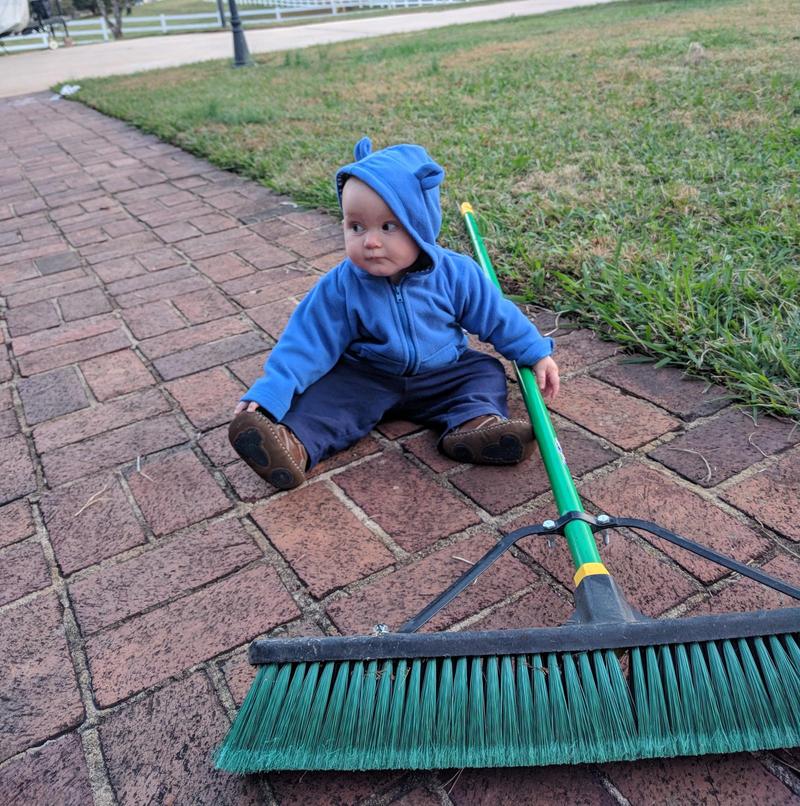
(547, 379)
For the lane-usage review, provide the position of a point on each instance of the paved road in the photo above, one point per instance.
(37, 70)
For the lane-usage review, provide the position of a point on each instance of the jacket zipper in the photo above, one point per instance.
(406, 327)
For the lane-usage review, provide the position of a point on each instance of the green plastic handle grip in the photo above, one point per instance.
(580, 538)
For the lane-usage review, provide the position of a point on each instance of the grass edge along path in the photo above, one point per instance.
(635, 164)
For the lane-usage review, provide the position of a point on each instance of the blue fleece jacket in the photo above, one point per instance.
(416, 325)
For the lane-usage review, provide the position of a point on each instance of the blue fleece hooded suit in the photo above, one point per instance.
(414, 327)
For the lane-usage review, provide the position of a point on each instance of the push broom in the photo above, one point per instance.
(611, 684)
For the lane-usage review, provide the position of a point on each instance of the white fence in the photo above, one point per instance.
(84, 32)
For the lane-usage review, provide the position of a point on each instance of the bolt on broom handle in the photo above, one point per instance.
(579, 536)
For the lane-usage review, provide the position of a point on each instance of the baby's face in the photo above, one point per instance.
(374, 238)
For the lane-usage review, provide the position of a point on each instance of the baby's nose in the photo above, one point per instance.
(372, 239)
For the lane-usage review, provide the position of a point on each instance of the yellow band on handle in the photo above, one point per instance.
(587, 569)
(466, 207)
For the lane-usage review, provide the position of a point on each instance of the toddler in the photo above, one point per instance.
(383, 333)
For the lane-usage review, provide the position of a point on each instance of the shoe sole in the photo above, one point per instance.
(482, 447)
(259, 448)
(508, 450)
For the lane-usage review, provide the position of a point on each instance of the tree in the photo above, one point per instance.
(112, 14)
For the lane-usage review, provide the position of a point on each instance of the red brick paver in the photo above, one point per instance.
(16, 522)
(51, 394)
(37, 680)
(22, 570)
(144, 651)
(116, 374)
(641, 492)
(146, 757)
(141, 290)
(607, 412)
(772, 495)
(117, 592)
(55, 773)
(175, 491)
(405, 503)
(734, 779)
(324, 543)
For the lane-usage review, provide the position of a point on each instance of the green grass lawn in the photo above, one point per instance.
(653, 195)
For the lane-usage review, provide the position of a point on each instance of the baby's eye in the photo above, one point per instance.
(389, 226)
(357, 228)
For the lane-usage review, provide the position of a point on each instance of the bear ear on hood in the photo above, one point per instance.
(430, 175)
(363, 148)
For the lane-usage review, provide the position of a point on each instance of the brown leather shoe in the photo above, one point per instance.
(269, 448)
(489, 440)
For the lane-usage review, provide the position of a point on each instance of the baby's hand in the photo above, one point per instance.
(245, 404)
(546, 371)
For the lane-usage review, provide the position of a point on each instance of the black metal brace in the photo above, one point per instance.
(596, 524)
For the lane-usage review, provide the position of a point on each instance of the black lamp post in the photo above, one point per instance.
(241, 54)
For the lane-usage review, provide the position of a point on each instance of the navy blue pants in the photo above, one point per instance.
(348, 402)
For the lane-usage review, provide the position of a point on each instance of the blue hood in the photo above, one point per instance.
(408, 180)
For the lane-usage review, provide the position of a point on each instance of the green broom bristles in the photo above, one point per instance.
(522, 710)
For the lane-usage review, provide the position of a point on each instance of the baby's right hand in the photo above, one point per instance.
(250, 405)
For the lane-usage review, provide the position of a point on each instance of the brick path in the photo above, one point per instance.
(138, 557)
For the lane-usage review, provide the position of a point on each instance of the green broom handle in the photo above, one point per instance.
(580, 538)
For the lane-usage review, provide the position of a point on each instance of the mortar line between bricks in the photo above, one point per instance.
(609, 787)
(130, 498)
(407, 783)
(398, 552)
(705, 494)
(219, 685)
(630, 536)
(134, 552)
(324, 604)
(136, 344)
(31, 596)
(684, 608)
(287, 575)
(706, 589)
(70, 623)
(652, 549)
(587, 372)
(730, 578)
(222, 689)
(104, 712)
(219, 286)
(762, 465)
(98, 773)
(443, 481)
(30, 445)
(437, 788)
(784, 772)
(453, 540)
(765, 463)
(708, 495)
(559, 588)
(561, 422)
(103, 792)
(480, 615)
(185, 593)
(36, 746)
